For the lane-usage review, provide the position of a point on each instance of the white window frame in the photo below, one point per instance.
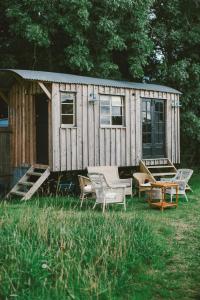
(111, 115)
(63, 125)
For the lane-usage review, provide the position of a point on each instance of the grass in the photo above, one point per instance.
(50, 249)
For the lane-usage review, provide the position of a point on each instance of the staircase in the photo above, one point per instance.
(30, 182)
(158, 168)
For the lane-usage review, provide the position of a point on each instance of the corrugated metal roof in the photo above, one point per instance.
(69, 78)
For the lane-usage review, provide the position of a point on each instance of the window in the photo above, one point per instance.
(112, 110)
(67, 108)
(3, 114)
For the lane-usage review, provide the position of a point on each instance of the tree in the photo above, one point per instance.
(175, 31)
(101, 38)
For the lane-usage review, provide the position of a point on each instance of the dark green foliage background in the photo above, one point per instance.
(119, 39)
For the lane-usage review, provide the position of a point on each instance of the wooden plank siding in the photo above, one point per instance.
(89, 144)
(22, 123)
(86, 143)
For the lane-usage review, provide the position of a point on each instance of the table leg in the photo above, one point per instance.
(177, 187)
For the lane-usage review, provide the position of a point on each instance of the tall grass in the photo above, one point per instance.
(48, 253)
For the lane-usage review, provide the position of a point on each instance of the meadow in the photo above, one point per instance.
(52, 249)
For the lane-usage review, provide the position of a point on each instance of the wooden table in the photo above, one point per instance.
(163, 186)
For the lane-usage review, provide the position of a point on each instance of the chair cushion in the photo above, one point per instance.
(87, 188)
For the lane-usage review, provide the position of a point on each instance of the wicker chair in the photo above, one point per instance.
(112, 176)
(143, 181)
(85, 187)
(182, 177)
(106, 193)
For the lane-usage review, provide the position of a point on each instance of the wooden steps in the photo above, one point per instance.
(163, 174)
(30, 182)
(158, 168)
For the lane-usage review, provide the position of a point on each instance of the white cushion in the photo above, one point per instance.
(87, 188)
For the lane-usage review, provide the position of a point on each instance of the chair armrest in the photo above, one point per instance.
(167, 179)
(126, 180)
(115, 186)
(181, 184)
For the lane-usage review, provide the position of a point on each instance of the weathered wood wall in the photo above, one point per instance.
(22, 123)
(86, 144)
(89, 144)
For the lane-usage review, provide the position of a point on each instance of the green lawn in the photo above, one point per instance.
(50, 249)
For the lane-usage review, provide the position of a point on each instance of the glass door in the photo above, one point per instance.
(153, 128)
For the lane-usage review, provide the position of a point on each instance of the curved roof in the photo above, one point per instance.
(6, 80)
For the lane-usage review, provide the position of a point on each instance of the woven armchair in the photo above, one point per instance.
(182, 177)
(143, 181)
(106, 193)
(85, 187)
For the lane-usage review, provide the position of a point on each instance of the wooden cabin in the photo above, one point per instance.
(69, 122)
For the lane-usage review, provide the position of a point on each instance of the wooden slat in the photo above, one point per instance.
(79, 125)
(118, 147)
(68, 151)
(128, 149)
(63, 157)
(85, 127)
(90, 124)
(96, 129)
(56, 122)
(113, 148)
(73, 149)
(107, 147)
(138, 132)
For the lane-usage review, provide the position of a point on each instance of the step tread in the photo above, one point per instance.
(18, 193)
(164, 174)
(34, 173)
(40, 166)
(160, 167)
(26, 183)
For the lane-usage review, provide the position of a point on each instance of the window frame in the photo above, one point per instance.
(123, 115)
(63, 125)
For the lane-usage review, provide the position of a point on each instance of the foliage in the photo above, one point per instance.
(84, 36)
(118, 39)
(176, 34)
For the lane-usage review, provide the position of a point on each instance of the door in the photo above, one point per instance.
(42, 141)
(153, 128)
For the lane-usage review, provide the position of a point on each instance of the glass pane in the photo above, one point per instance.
(149, 106)
(143, 116)
(117, 100)
(117, 121)
(148, 127)
(67, 108)
(146, 138)
(161, 117)
(105, 98)
(67, 97)
(67, 119)
(161, 138)
(116, 110)
(105, 120)
(105, 102)
(157, 106)
(148, 115)
(143, 105)
(105, 110)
